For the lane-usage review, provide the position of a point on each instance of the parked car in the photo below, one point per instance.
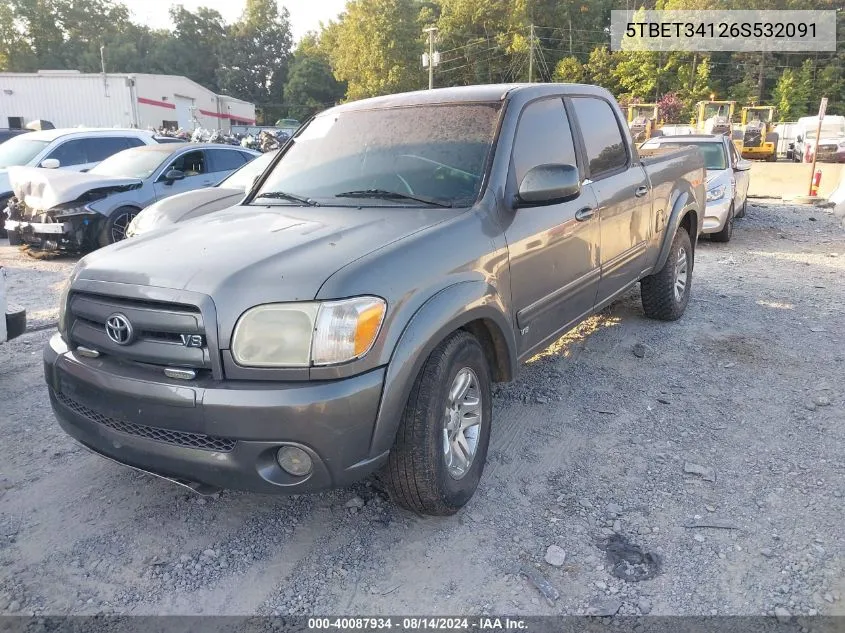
(193, 204)
(80, 212)
(13, 322)
(831, 140)
(6, 134)
(728, 177)
(72, 149)
(351, 313)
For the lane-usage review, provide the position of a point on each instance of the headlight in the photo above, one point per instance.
(68, 211)
(304, 334)
(717, 193)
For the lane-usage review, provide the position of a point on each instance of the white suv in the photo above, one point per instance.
(76, 149)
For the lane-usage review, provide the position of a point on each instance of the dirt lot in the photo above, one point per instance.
(628, 433)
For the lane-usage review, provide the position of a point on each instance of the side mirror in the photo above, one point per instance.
(173, 175)
(742, 165)
(799, 138)
(549, 184)
(50, 163)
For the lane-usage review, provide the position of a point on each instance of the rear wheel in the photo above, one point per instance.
(727, 230)
(665, 294)
(441, 446)
(114, 228)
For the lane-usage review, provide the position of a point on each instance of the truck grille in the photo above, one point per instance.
(177, 438)
(162, 334)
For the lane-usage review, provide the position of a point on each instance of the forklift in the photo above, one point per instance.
(715, 117)
(643, 121)
(758, 140)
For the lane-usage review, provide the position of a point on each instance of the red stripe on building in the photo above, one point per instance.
(233, 119)
(160, 104)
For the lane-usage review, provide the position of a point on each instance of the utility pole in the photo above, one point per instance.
(432, 59)
(531, 56)
(103, 66)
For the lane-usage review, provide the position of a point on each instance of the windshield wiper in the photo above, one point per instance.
(290, 197)
(382, 194)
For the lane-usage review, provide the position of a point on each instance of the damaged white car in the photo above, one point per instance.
(79, 212)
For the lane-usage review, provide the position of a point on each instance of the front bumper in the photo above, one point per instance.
(38, 228)
(715, 215)
(223, 434)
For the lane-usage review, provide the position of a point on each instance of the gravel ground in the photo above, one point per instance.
(689, 468)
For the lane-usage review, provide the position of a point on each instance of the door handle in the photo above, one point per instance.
(585, 214)
(641, 191)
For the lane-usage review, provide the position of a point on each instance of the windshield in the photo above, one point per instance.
(432, 151)
(20, 151)
(714, 153)
(833, 130)
(131, 163)
(246, 175)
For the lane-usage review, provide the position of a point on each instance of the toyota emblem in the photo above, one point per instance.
(119, 329)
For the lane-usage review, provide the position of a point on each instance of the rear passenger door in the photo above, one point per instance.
(623, 194)
(553, 249)
(223, 162)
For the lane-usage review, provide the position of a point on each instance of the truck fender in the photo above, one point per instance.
(450, 309)
(684, 204)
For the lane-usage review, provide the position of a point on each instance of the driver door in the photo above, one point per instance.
(192, 163)
(553, 248)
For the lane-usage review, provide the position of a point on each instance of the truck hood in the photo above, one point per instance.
(244, 256)
(42, 189)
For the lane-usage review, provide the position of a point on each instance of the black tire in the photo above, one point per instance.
(727, 230)
(741, 212)
(14, 239)
(114, 228)
(416, 473)
(658, 289)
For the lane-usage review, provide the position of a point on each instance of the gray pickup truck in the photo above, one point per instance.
(350, 314)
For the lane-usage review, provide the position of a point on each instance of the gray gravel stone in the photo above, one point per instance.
(555, 556)
(707, 473)
(644, 605)
(782, 614)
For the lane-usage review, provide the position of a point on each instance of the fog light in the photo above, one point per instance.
(294, 461)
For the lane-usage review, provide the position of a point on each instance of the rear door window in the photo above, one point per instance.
(100, 148)
(543, 137)
(603, 141)
(225, 159)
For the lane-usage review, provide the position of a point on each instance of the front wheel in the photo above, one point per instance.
(437, 459)
(665, 293)
(114, 228)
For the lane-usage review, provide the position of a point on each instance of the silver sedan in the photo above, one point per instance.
(81, 211)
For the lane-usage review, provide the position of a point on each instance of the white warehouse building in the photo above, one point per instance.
(68, 98)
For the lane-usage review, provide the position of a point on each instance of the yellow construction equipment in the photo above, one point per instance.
(756, 137)
(715, 117)
(643, 121)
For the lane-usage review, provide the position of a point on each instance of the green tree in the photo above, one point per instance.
(254, 57)
(791, 94)
(569, 70)
(311, 85)
(601, 69)
(376, 49)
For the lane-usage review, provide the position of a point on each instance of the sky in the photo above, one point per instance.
(305, 15)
